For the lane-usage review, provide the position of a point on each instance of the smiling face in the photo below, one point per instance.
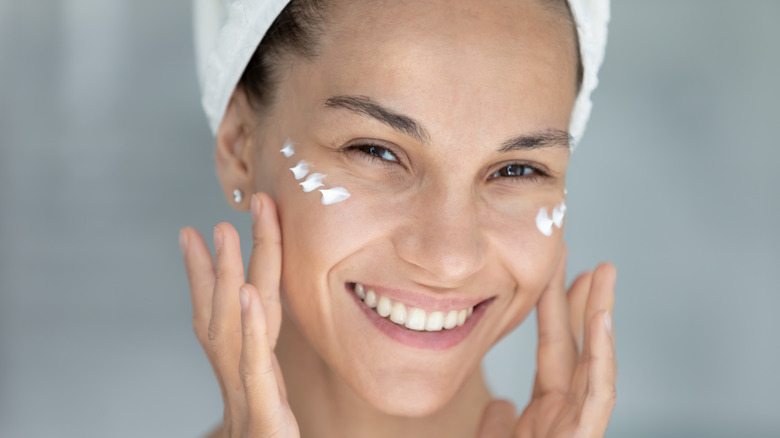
(447, 124)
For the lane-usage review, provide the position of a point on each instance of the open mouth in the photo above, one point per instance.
(415, 326)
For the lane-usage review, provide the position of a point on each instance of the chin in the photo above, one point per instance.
(404, 401)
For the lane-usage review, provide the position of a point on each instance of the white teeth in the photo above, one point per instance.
(435, 321)
(370, 299)
(384, 306)
(359, 291)
(414, 318)
(451, 320)
(461, 317)
(398, 315)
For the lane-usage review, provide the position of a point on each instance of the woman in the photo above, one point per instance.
(408, 164)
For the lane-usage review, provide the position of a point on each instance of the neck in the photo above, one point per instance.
(325, 406)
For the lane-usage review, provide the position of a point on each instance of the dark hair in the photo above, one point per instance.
(296, 31)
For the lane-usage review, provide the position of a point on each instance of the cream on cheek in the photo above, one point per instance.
(545, 222)
(313, 181)
(288, 150)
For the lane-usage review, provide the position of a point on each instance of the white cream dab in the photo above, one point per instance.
(288, 150)
(545, 223)
(312, 182)
(334, 195)
(301, 169)
(558, 213)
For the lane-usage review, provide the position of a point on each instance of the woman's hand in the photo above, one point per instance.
(237, 323)
(574, 391)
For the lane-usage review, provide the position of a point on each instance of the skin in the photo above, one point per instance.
(438, 216)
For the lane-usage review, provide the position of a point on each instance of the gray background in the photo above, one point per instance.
(105, 154)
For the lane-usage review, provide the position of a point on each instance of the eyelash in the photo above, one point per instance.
(364, 150)
(522, 176)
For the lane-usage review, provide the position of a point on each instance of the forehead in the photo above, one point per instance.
(501, 63)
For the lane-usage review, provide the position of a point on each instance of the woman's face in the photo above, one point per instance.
(447, 124)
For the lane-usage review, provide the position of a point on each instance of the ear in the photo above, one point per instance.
(235, 150)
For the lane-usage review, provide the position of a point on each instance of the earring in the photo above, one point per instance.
(238, 196)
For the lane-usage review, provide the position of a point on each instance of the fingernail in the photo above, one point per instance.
(217, 239)
(608, 322)
(183, 240)
(255, 207)
(243, 298)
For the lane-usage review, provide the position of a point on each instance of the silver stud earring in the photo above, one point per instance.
(238, 196)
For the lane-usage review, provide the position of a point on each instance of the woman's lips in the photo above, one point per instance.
(415, 327)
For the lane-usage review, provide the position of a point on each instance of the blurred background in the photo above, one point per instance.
(105, 154)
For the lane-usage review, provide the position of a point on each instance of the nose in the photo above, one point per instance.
(442, 239)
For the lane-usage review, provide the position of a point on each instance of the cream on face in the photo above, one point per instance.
(301, 169)
(313, 181)
(545, 223)
(334, 195)
(288, 150)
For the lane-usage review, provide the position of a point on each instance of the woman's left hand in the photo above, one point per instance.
(574, 391)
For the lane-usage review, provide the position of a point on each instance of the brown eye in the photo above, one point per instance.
(514, 171)
(378, 152)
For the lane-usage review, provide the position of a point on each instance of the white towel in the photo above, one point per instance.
(227, 32)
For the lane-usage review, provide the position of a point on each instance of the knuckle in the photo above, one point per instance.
(612, 397)
(604, 396)
(258, 239)
(261, 240)
(216, 343)
(247, 377)
(555, 337)
(213, 334)
(224, 271)
(252, 376)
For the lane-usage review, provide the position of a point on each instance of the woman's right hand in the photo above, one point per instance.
(237, 322)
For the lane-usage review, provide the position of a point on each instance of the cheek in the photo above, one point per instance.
(317, 236)
(527, 254)
(322, 221)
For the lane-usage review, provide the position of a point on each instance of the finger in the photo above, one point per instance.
(577, 298)
(557, 352)
(225, 326)
(200, 273)
(265, 262)
(602, 376)
(600, 298)
(498, 420)
(256, 366)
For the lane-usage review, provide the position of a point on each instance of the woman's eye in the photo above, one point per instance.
(514, 171)
(378, 152)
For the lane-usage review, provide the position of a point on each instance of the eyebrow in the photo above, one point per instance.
(549, 138)
(367, 106)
